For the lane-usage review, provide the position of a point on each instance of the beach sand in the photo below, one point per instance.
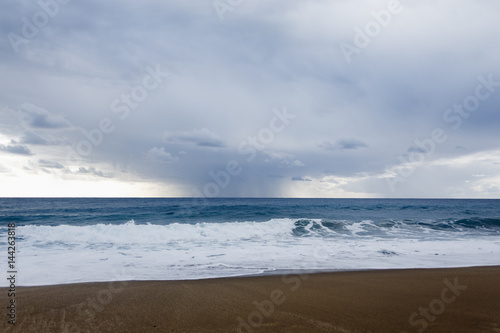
(431, 300)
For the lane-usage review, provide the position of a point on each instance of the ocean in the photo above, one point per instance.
(68, 240)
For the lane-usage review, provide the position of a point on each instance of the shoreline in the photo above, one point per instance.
(279, 272)
(465, 299)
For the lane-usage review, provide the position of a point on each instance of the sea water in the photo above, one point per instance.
(85, 240)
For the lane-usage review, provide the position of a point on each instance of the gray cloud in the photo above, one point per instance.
(226, 79)
(199, 137)
(282, 159)
(160, 155)
(39, 118)
(93, 172)
(351, 144)
(344, 144)
(32, 138)
(416, 150)
(300, 179)
(50, 164)
(16, 149)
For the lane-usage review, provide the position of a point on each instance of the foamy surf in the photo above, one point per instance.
(131, 251)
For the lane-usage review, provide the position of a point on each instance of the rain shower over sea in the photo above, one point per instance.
(86, 240)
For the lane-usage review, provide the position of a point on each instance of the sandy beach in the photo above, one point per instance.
(433, 300)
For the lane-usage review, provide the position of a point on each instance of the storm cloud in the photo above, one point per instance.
(389, 99)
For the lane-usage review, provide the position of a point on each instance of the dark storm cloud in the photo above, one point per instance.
(227, 77)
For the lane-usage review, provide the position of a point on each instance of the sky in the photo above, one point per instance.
(250, 98)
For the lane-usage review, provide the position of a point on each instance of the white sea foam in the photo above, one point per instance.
(67, 254)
